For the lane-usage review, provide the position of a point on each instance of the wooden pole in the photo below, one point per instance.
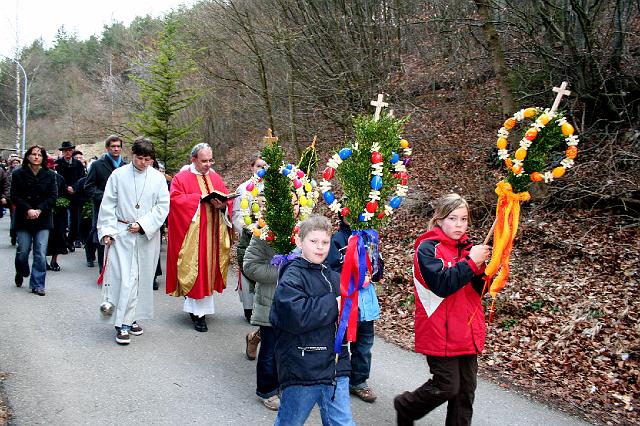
(490, 233)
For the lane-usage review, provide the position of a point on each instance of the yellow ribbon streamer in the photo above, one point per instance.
(507, 220)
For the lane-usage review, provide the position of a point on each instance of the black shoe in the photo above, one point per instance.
(48, 267)
(90, 264)
(19, 280)
(13, 241)
(247, 314)
(71, 248)
(201, 325)
(193, 317)
(55, 267)
(155, 284)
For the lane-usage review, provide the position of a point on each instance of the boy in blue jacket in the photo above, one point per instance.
(304, 315)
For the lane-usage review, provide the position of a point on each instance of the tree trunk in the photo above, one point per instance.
(292, 105)
(18, 106)
(497, 56)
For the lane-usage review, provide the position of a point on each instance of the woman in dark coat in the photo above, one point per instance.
(34, 192)
(57, 236)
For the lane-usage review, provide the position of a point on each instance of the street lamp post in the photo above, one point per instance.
(24, 104)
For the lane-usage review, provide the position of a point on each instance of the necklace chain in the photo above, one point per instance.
(135, 186)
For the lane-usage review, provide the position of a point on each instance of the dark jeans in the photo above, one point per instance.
(12, 228)
(454, 380)
(90, 250)
(39, 240)
(266, 373)
(361, 354)
(74, 224)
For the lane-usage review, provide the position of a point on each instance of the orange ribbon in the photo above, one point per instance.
(507, 220)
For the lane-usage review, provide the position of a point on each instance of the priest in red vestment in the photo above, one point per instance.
(199, 242)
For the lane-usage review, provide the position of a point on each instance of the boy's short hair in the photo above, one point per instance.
(315, 222)
(143, 147)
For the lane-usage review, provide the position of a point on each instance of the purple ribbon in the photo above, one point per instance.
(278, 259)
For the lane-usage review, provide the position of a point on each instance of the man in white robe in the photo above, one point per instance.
(134, 207)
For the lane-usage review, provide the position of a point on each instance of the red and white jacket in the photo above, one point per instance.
(447, 286)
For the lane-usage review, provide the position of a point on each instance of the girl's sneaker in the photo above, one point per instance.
(122, 336)
(135, 329)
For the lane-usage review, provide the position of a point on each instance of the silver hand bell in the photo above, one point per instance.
(107, 308)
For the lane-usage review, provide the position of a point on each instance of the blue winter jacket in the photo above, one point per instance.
(368, 307)
(304, 314)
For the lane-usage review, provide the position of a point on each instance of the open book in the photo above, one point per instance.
(219, 196)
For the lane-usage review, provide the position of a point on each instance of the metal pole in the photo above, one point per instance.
(24, 104)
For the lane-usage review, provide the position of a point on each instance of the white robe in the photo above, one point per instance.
(132, 258)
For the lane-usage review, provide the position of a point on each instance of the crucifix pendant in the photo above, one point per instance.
(137, 206)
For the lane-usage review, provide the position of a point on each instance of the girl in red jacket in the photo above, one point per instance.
(449, 324)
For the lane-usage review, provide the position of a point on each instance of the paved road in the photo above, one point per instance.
(64, 368)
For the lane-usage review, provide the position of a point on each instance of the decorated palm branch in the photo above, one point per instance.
(536, 159)
(274, 220)
(372, 172)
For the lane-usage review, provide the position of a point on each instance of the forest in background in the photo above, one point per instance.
(231, 69)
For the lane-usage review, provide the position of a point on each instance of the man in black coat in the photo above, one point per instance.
(99, 173)
(72, 171)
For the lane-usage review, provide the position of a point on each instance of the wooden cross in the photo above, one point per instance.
(561, 91)
(379, 105)
(269, 138)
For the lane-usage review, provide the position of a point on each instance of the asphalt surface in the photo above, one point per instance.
(64, 368)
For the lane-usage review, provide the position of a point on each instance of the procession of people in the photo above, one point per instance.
(295, 299)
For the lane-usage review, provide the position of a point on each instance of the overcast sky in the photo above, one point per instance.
(42, 18)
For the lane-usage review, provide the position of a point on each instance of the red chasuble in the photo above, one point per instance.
(199, 243)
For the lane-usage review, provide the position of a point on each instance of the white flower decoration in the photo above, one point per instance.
(525, 143)
(572, 140)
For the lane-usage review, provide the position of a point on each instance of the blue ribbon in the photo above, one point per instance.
(365, 240)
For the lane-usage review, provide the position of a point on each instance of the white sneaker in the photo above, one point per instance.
(272, 403)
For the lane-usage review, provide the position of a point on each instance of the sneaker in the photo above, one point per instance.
(253, 340)
(365, 393)
(272, 403)
(19, 280)
(122, 337)
(155, 284)
(136, 330)
(38, 291)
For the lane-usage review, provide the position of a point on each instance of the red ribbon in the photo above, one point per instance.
(350, 277)
(104, 265)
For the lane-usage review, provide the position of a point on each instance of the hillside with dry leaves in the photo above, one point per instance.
(566, 329)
